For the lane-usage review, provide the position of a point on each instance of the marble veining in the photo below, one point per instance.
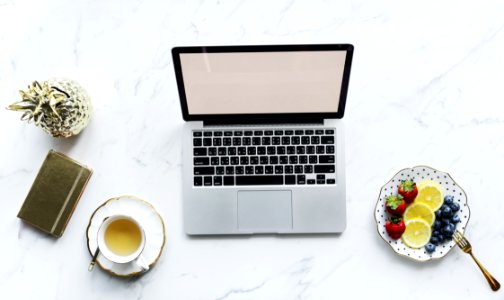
(425, 89)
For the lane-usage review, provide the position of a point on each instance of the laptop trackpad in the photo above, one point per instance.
(264, 211)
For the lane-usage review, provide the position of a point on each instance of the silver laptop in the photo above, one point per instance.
(263, 145)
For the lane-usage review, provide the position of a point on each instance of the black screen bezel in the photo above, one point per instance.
(251, 118)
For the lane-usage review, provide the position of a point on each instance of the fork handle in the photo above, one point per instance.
(494, 284)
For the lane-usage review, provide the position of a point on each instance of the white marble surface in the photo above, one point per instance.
(426, 88)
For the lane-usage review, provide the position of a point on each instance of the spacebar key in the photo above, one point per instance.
(259, 180)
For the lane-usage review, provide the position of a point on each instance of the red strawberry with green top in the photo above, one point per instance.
(395, 227)
(408, 190)
(395, 205)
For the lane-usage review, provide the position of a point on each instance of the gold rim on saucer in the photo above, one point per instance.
(162, 245)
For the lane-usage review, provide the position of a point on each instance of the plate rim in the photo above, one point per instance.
(378, 202)
(162, 245)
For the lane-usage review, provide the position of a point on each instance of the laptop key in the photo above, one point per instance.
(329, 139)
(308, 169)
(261, 150)
(305, 140)
(260, 180)
(312, 159)
(248, 133)
(298, 169)
(311, 181)
(301, 179)
(198, 181)
(258, 132)
(288, 169)
(251, 150)
(242, 151)
(219, 170)
(201, 161)
(215, 161)
(320, 149)
(217, 180)
(275, 140)
(217, 133)
(212, 151)
(228, 180)
(256, 141)
(254, 160)
(278, 169)
(268, 132)
(329, 149)
(207, 133)
(239, 170)
(331, 181)
(291, 150)
(226, 141)
(217, 141)
(326, 159)
(280, 150)
(319, 131)
(197, 142)
(200, 151)
(207, 180)
(289, 132)
(266, 140)
(263, 160)
(268, 169)
(300, 150)
(284, 160)
(290, 179)
(204, 170)
(238, 133)
(315, 140)
(246, 141)
(232, 151)
(310, 149)
(286, 140)
(221, 151)
(197, 133)
(303, 159)
(207, 142)
(237, 141)
(224, 160)
(324, 169)
(271, 150)
(329, 131)
(235, 160)
(273, 160)
(320, 176)
(320, 181)
(228, 133)
(278, 132)
(229, 170)
(299, 132)
(295, 140)
(244, 160)
(293, 159)
(259, 169)
(249, 170)
(309, 132)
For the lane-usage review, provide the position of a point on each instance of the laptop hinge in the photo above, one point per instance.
(249, 121)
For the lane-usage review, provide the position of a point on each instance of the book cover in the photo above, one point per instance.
(55, 193)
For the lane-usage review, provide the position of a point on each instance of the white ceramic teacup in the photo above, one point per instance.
(135, 256)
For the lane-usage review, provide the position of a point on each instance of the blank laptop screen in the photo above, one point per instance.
(263, 82)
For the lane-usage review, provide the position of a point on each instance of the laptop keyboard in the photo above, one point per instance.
(264, 157)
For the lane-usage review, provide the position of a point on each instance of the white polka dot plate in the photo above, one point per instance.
(419, 174)
(149, 219)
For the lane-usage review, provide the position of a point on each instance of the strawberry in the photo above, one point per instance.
(395, 227)
(395, 205)
(408, 190)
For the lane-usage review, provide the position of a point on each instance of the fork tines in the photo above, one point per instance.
(459, 239)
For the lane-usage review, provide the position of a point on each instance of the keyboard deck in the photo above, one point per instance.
(264, 157)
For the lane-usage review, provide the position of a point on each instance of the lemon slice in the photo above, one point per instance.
(419, 211)
(431, 194)
(417, 233)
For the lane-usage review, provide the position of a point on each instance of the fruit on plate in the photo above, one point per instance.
(431, 194)
(408, 190)
(395, 227)
(420, 211)
(395, 205)
(417, 233)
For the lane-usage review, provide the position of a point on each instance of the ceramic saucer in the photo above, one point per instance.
(419, 174)
(148, 218)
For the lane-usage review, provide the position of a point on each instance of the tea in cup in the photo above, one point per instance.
(121, 239)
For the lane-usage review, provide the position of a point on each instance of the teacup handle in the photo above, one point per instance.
(140, 261)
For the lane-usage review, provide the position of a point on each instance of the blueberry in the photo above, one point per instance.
(454, 207)
(430, 248)
(435, 240)
(448, 199)
(436, 233)
(446, 211)
(445, 221)
(455, 219)
(437, 224)
(438, 214)
(448, 230)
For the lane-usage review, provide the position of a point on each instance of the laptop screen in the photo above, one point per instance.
(295, 81)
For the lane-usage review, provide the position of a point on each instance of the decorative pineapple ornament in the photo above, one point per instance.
(61, 107)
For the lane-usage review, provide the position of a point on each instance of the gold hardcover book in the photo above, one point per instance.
(55, 193)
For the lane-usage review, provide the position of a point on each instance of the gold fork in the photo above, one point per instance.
(464, 244)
